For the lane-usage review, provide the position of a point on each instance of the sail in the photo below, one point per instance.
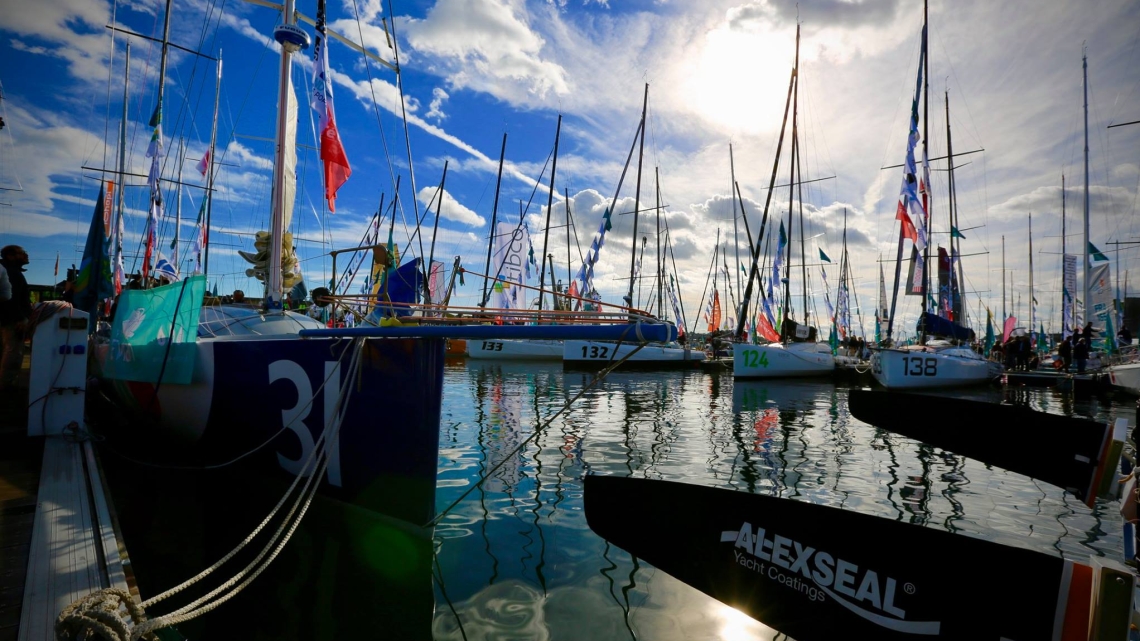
(714, 315)
(289, 145)
(883, 315)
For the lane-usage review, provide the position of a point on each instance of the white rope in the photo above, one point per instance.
(101, 612)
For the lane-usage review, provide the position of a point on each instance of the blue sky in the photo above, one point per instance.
(476, 69)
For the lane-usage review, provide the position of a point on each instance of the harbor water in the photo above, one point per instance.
(512, 556)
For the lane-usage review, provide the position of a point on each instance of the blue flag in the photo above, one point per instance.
(93, 283)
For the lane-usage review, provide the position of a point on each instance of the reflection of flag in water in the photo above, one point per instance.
(504, 433)
(769, 420)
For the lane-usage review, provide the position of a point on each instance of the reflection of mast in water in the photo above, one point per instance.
(623, 601)
(484, 464)
(884, 437)
(663, 435)
(538, 490)
(843, 445)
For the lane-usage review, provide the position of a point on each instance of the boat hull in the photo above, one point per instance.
(595, 355)
(515, 350)
(281, 391)
(926, 369)
(1125, 377)
(776, 360)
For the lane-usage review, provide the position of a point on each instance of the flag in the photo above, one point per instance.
(337, 170)
(833, 340)
(823, 256)
(1095, 254)
(154, 152)
(57, 260)
(911, 211)
(714, 318)
(204, 163)
(1010, 323)
(164, 270)
(989, 331)
(93, 282)
(954, 233)
(767, 331)
(1042, 343)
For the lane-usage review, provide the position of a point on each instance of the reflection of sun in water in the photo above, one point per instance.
(740, 78)
(736, 626)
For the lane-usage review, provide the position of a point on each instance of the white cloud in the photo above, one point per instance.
(435, 108)
(452, 209)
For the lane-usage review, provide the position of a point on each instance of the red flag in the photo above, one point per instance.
(714, 321)
(204, 163)
(908, 230)
(337, 170)
(766, 330)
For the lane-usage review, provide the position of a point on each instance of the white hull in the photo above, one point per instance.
(923, 368)
(777, 360)
(598, 354)
(515, 350)
(1126, 377)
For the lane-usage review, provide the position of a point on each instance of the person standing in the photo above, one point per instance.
(5, 285)
(1087, 333)
(1081, 355)
(1065, 351)
(14, 314)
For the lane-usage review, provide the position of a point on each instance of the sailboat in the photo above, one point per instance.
(242, 382)
(942, 356)
(796, 351)
(582, 354)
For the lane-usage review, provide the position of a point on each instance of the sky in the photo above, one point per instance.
(473, 71)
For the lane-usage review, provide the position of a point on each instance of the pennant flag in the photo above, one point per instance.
(154, 152)
(911, 211)
(204, 163)
(57, 256)
(1095, 254)
(337, 170)
(954, 233)
(823, 256)
(1010, 323)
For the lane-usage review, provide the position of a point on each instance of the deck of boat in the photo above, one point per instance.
(1088, 383)
(57, 535)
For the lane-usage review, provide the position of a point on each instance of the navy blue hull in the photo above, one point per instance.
(386, 456)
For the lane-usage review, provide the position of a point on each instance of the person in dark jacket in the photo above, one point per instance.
(1065, 351)
(1081, 355)
(14, 315)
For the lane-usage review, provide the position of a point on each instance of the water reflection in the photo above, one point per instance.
(515, 558)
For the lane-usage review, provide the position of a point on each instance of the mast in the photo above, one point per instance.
(660, 256)
(494, 215)
(791, 190)
(1085, 267)
(1003, 278)
(735, 227)
(803, 235)
(292, 39)
(569, 275)
(549, 205)
(434, 231)
(752, 271)
(926, 178)
(117, 228)
(957, 304)
(1032, 309)
(1065, 319)
(205, 234)
(637, 197)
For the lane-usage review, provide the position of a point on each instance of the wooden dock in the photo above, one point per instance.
(57, 534)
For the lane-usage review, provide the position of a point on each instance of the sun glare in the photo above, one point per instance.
(737, 626)
(740, 79)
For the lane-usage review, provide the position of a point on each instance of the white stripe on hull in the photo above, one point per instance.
(515, 350)
(776, 360)
(920, 369)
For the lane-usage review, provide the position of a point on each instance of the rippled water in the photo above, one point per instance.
(514, 557)
(517, 559)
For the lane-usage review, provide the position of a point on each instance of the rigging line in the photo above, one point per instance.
(403, 116)
(110, 75)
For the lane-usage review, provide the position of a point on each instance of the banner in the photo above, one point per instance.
(1100, 296)
(914, 275)
(154, 331)
(1068, 288)
(509, 258)
(945, 296)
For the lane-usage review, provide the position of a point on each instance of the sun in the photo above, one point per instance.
(739, 79)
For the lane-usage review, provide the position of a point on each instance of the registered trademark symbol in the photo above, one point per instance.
(909, 588)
